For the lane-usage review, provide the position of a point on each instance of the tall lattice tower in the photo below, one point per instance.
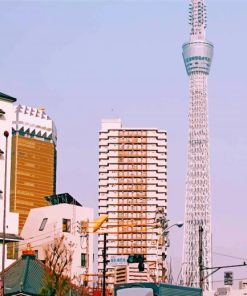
(197, 54)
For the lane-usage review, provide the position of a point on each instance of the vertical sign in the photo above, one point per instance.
(228, 278)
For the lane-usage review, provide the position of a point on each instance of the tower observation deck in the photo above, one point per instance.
(197, 55)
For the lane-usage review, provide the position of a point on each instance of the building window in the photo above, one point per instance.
(43, 223)
(66, 225)
(83, 260)
(12, 251)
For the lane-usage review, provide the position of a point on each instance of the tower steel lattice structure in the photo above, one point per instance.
(197, 55)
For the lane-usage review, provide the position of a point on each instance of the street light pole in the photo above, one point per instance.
(104, 266)
(6, 135)
(165, 229)
(200, 259)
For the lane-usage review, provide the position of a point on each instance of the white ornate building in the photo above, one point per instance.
(6, 118)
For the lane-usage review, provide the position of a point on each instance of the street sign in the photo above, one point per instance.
(228, 278)
(117, 260)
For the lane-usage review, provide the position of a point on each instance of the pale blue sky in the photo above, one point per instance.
(87, 60)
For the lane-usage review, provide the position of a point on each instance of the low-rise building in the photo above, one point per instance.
(63, 217)
(24, 276)
(11, 221)
(229, 290)
(131, 274)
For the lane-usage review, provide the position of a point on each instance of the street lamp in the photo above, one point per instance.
(178, 224)
(165, 230)
(6, 135)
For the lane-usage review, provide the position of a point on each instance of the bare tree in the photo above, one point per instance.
(58, 260)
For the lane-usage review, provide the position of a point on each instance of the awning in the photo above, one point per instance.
(10, 237)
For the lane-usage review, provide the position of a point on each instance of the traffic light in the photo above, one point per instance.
(132, 259)
(137, 259)
(141, 260)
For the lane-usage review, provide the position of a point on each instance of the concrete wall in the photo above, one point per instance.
(11, 218)
(39, 239)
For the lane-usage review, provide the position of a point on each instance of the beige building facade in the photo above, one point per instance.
(33, 167)
(132, 188)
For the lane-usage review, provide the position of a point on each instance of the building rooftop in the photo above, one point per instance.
(7, 97)
(10, 237)
(33, 123)
(63, 198)
(24, 276)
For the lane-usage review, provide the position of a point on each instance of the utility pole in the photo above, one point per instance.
(6, 135)
(200, 259)
(202, 267)
(162, 224)
(104, 266)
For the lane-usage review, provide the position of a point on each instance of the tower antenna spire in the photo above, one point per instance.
(197, 54)
(197, 19)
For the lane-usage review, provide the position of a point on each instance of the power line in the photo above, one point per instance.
(218, 281)
(34, 246)
(219, 254)
(229, 256)
(23, 246)
(55, 230)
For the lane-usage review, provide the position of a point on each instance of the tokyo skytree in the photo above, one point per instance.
(197, 55)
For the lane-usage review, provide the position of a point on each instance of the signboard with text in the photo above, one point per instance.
(117, 260)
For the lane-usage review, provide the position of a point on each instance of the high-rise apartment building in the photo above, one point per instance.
(198, 54)
(132, 188)
(33, 169)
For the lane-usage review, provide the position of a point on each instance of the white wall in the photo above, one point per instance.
(34, 119)
(227, 291)
(11, 218)
(55, 214)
